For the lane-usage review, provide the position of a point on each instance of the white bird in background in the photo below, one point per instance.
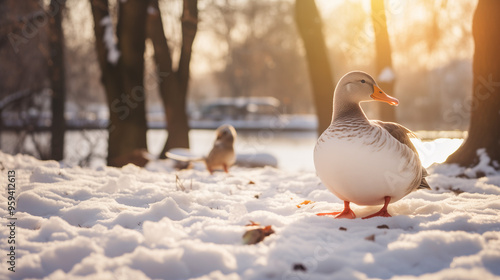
(222, 155)
(363, 161)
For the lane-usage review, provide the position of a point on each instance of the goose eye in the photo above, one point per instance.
(363, 81)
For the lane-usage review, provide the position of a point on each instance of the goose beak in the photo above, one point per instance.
(380, 95)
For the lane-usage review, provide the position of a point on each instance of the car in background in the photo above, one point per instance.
(240, 108)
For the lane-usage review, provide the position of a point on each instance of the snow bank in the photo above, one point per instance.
(158, 223)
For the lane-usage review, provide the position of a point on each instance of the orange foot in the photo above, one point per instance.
(383, 212)
(346, 214)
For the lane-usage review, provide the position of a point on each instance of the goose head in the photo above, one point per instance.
(226, 134)
(357, 86)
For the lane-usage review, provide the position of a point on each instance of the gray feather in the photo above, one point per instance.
(403, 135)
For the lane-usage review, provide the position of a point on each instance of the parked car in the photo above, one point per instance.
(240, 108)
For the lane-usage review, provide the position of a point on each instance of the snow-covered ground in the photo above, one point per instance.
(159, 223)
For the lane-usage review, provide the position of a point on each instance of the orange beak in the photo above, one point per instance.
(380, 95)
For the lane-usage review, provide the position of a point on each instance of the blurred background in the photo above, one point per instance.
(248, 67)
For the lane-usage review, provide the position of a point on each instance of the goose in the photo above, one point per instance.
(222, 153)
(366, 162)
(221, 156)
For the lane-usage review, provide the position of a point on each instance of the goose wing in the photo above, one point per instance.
(403, 135)
(181, 154)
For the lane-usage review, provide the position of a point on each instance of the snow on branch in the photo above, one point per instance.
(386, 75)
(109, 40)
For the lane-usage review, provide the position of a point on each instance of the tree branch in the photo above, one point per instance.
(189, 27)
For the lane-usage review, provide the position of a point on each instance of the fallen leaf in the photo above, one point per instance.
(383, 226)
(305, 202)
(370, 237)
(299, 266)
(456, 191)
(342, 228)
(255, 236)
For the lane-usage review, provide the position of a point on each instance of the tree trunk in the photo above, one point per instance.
(174, 84)
(310, 28)
(484, 128)
(57, 79)
(110, 74)
(122, 67)
(385, 74)
(130, 132)
(178, 126)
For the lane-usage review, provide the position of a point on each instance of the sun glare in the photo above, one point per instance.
(436, 151)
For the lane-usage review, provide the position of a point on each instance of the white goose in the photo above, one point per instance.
(364, 161)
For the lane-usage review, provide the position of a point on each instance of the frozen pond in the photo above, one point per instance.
(293, 149)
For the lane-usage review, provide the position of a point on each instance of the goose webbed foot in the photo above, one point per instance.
(347, 213)
(383, 212)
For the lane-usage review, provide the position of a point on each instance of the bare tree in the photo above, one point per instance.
(484, 128)
(311, 30)
(383, 63)
(29, 57)
(122, 67)
(57, 78)
(223, 18)
(174, 83)
(261, 52)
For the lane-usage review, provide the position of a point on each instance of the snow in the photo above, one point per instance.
(152, 10)
(386, 75)
(160, 223)
(109, 40)
(485, 166)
